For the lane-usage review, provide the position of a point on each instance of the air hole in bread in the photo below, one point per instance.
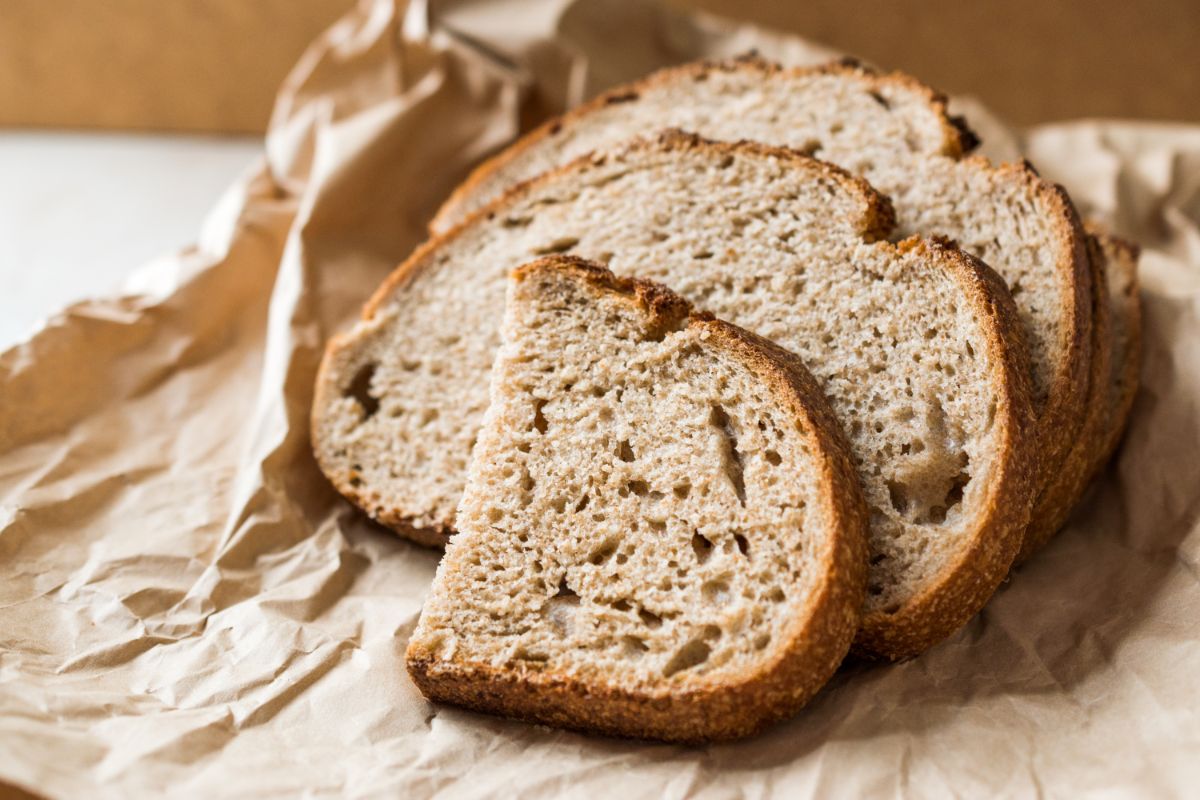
(703, 255)
(743, 544)
(715, 592)
(625, 452)
(360, 391)
(639, 488)
(878, 98)
(560, 609)
(773, 458)
(649, 618)
(561, 245)
(621, 605)
(534, 656)
(691, 655)
(583, 503)
(604, 551)
(539, 419)
(702, 547)
(776, 595)
(682, 490)
(732, 458)
(633, 646)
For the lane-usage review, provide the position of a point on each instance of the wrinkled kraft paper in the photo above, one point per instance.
(187, 608)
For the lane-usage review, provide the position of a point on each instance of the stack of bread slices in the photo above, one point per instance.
(721, 376)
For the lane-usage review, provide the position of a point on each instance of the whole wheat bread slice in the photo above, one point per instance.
(916, 346)
(1116, 362)
(689, 579)
(1121, 262)
(895, 132)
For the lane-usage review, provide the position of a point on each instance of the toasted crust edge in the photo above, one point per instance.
(1059, 496)
(966, 585)
(1064, 412)
(876, 220)
(958, 139)
(1125, 256)
(817, 641)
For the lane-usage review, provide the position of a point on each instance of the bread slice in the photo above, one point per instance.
(915, 345)
(662, 535)
(896, 133)
(1116, 324)
(1063, 490)
(1121, 261)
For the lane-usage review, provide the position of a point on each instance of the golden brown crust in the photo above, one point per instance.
(824, 622)
(1063, 412)
(1059, 496)
(1122, 257)
(967, 584)
(957, 138)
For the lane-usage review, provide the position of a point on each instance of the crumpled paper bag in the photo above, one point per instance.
(187, 608)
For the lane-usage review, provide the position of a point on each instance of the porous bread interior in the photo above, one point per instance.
(642, 510)
(774, 247)
(884, 130)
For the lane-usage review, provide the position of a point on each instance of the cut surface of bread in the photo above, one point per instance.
(662, 534)
(893, 131)
(915, 345)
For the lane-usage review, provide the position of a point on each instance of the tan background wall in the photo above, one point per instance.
(215, 64)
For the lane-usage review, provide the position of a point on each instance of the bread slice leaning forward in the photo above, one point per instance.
(915, 345)
(895, 132)
(662, 535)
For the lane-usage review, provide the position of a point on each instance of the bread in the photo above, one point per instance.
(1121, 260)
(1116, 321)
(686, 580)
(895, 132)
(1064, 488)
(915, 346)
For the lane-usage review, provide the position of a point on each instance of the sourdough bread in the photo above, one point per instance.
(1116, 362)
(686, 580)
(1062, 491)
(916, 346)
(1121, 261)
(895, 132)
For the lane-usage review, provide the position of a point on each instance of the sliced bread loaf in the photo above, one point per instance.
(916, 346)
(1116, 334)
(1121, 271)
(662, 535)
(895, 132)
(1062, 491)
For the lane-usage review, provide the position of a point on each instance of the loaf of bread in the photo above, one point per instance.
(916, 346)
(896, 133)
(662, 535)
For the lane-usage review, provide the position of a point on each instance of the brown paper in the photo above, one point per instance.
(186, 607)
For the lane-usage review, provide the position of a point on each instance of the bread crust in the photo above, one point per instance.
(957, 138)
(822, 627)
(1122, 257)
(965, 585)
(1064, 411)
(1064, 487)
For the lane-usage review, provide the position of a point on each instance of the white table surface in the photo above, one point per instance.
(80, 211)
